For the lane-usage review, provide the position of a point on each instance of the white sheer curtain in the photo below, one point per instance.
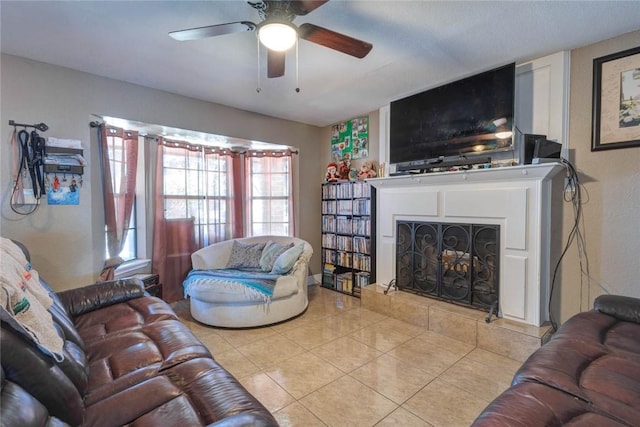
(194, 207)
(118, 150)
(269, 202)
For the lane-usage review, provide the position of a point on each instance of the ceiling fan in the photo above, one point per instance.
(277, 17)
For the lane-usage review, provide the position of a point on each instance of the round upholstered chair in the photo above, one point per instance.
(232, 301)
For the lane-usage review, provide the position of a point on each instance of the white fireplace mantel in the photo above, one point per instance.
(518, 198)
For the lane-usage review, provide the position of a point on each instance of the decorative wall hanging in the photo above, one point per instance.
(616, 100)
(350, 139)
(64, 163)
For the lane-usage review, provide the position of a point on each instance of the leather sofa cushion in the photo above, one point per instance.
(128, 315)
(527, 404)
(32, 413)
(129, 357)
(46, 382)
(196, 392)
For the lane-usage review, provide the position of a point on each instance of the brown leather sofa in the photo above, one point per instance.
(588, 374)
(128, 360)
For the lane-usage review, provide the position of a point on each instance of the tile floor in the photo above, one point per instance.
(339, 364)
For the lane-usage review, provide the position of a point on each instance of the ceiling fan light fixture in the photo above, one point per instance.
(278, 36)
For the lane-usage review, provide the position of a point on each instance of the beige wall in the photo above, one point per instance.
(67, 242)
(612, 198)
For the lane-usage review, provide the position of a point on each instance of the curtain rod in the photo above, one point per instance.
(95, 124)
(40, 126)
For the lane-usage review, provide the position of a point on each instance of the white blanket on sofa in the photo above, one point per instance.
(25, 302)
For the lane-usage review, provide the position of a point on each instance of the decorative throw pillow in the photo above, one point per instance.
(245, 255)
(284, 263)
(270, 253)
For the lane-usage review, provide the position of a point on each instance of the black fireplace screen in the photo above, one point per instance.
(454, 262)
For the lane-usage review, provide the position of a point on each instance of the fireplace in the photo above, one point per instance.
(516, 200)
(454, 262)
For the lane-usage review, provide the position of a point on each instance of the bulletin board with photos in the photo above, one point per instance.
(350, 139)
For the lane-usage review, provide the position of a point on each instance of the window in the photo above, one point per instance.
(119, 152)
(129, 250)
(269, 200)
(197, 183)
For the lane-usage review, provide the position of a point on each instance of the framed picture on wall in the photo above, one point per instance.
(350, 139)
(616, 100)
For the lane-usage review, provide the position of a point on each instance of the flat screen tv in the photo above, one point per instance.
(468, 117)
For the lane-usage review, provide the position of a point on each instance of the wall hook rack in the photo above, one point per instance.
(40, 126)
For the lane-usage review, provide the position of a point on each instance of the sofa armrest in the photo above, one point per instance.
(212, 257)
(620, 307)
(92, 297)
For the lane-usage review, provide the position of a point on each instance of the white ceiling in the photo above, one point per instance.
(416, 45)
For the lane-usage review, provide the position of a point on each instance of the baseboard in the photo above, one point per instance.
(314, 280)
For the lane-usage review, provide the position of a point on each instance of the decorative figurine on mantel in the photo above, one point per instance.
(367, 171)
(332, 172)
(345, 167)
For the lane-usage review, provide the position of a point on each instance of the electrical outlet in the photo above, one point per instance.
(567, 187)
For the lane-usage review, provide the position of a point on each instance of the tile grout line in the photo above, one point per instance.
(355, 315)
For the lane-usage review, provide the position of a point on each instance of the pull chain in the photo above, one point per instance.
(297, 69)
(258, 89)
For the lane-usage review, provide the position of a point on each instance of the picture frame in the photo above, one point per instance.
(616, 100)
(350, 139)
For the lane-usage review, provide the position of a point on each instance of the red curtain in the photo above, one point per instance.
(173, 244)
(238, 183)
(173, 241)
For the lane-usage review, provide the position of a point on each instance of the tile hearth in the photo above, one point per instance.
(501, 336)
(356, 362)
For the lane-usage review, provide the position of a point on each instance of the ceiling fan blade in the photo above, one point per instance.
(212, 30)
(333, 40)
(275, 63)
(302, 7)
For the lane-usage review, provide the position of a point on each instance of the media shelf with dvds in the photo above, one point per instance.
(348, 236)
